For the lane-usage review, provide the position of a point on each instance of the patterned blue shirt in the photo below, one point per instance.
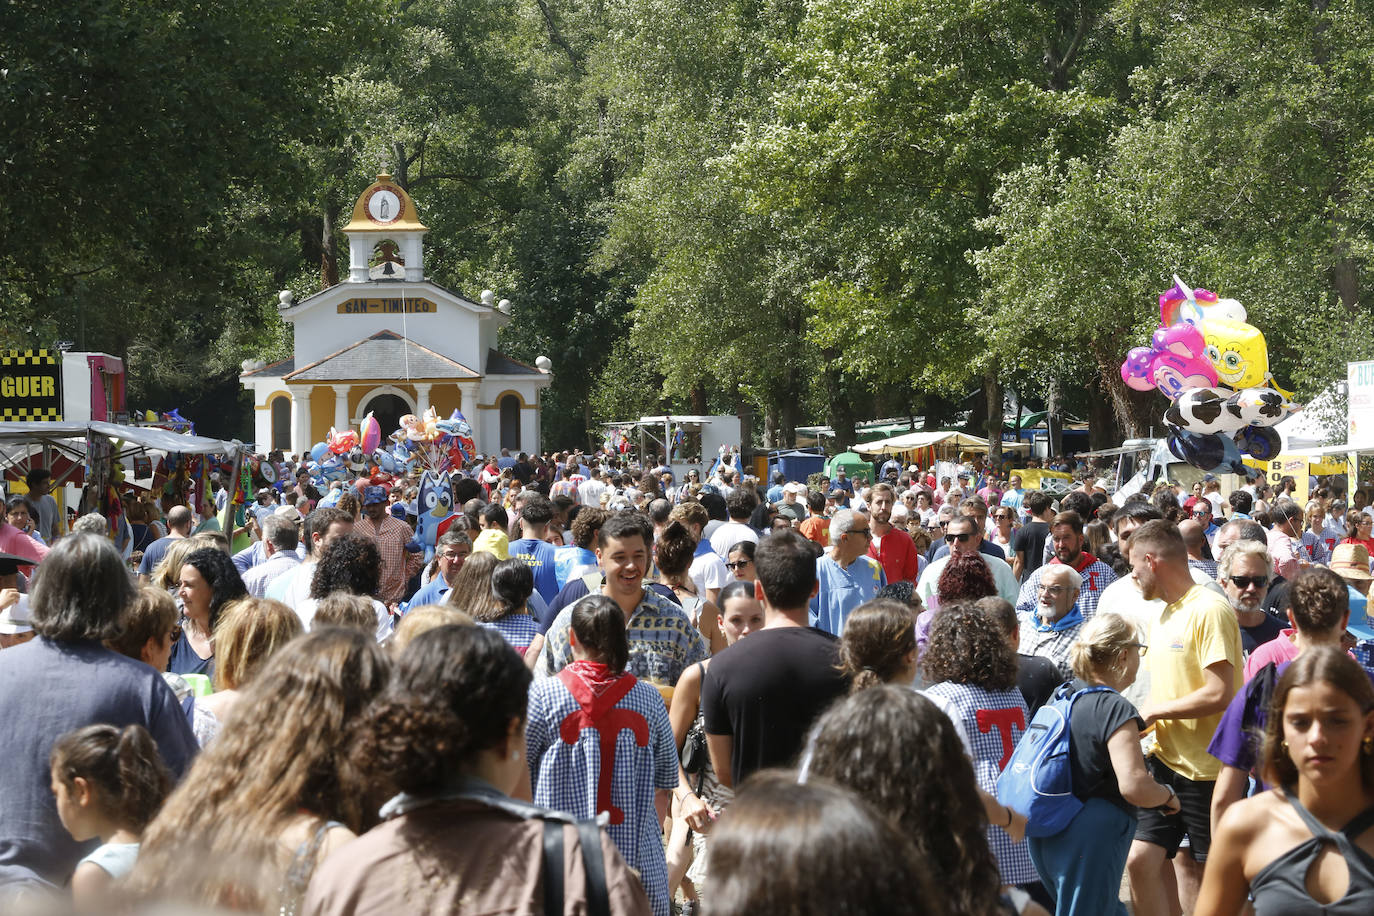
(518, 629)
(565, 776)
(1096, 576)
(663, 642)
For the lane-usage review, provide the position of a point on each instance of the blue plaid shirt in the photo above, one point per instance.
(988, 720)
(564, 776)
(1096, 576)
(663, 642)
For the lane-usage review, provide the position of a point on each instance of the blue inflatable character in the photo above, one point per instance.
(432, 506)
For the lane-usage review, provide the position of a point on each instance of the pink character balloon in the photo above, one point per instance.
(1135, 371)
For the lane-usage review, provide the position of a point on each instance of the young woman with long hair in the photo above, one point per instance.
(699, 799)
(276, 791)
(814, 848)
(902, 754)
(1307, 845)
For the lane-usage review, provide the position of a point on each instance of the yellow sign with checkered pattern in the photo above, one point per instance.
(30, 385)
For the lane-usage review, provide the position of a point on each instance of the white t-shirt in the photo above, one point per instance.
(728, 534)
(708, 571)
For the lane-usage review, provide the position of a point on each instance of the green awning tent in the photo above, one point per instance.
(854, 465)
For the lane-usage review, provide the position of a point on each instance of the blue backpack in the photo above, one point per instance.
(1038, 779)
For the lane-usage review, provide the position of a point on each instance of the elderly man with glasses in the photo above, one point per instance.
(847, 576)
(1050, 629)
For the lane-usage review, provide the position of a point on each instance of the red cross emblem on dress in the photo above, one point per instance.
(598, 713)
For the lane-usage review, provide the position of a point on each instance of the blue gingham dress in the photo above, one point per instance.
(564, 776)
(518, 629)
(963, 702)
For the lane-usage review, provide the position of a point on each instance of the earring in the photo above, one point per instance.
(1284, 745)
(1369, 744)
(515, 755)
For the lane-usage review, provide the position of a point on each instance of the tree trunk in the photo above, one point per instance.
(841, 411)
(770, 428)
(329, 250)
(745, 411)
(1054, 421)
(1103, 431)
(992, 397)
(699, 399)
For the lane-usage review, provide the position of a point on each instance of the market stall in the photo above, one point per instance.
(85, 455)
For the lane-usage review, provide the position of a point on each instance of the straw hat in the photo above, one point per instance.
(1351, 561)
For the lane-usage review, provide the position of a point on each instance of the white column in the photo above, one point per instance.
(300, 420)
(422, 397)
(468, 393)
(413, 252)
(340, 407)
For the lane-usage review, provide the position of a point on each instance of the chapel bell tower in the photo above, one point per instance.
(385, 214)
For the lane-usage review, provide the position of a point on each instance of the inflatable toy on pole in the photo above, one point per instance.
(1214, 369)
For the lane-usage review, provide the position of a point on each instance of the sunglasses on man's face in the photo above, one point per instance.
(1247, 581)
(961, 538)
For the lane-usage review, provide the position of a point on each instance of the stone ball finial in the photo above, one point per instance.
(503, 306)
(543, 364)
(488, 297)
(286, 298)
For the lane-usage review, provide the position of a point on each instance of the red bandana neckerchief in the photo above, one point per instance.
(596, 691)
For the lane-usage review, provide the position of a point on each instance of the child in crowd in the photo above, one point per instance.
(109, 783)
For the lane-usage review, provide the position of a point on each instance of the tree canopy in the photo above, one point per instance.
(808, 210)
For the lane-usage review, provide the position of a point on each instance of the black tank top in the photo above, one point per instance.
(1280, 889)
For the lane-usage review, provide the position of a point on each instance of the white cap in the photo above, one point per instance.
(14, 620)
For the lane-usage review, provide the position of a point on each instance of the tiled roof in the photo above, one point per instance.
(501, 364)
(273, 370)
(384, 355)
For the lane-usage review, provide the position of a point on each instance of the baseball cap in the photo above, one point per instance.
(494, 542)
(374, 495)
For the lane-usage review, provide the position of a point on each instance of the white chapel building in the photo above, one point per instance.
(388, 341)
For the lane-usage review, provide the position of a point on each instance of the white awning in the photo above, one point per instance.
(910, 441)
(149, 437)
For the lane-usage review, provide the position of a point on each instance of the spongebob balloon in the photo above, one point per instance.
(1238, 352)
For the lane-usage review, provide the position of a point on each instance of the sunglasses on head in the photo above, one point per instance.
(961, 538)
(1247, 581)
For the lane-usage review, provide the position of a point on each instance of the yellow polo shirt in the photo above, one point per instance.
(1196, 631)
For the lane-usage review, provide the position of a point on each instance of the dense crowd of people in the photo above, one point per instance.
(602, 689)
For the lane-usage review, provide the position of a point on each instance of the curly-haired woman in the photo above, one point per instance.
(903, 756)
(972, 667)
(966, 577)
(350, 563)
(448, 735)
(275, 792)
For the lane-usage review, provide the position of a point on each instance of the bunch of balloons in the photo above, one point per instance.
(1214, 369)
(434, 444)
